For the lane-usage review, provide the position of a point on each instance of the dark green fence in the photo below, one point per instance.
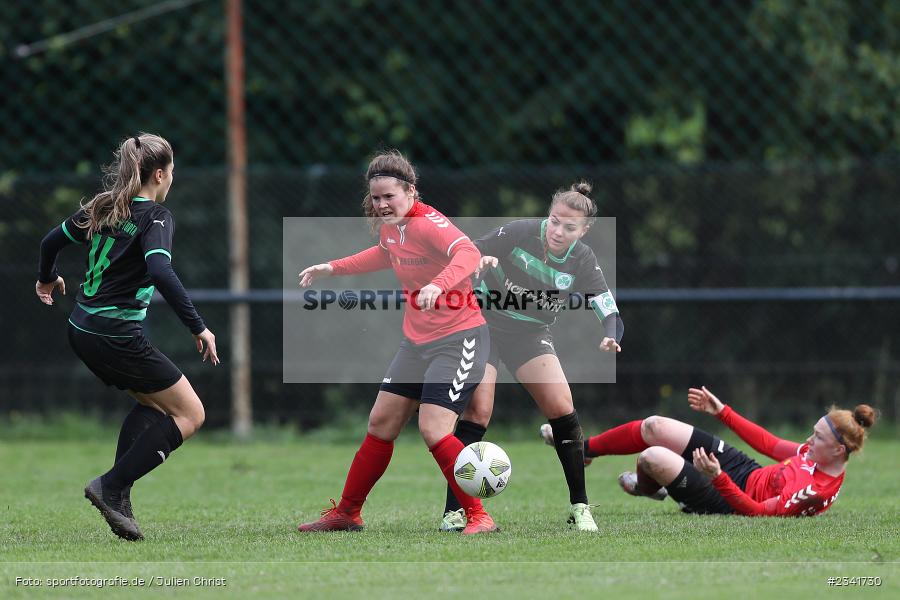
(739, 145)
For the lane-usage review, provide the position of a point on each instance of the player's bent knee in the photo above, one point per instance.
(652, 428)
(650, 459)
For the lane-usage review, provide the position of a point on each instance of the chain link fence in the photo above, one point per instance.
(749, 151)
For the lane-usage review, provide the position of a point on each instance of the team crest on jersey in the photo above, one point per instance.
(563, 281)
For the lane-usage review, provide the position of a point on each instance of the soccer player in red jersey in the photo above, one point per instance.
(707, 476)
(445, 339)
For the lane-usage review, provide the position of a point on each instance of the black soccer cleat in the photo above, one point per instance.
(111, 509)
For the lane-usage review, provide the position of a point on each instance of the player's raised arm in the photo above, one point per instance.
(702, 400)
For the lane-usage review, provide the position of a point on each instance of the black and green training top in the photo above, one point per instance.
(120, 278)
(529, 288)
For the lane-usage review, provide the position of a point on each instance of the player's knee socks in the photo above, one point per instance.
(568, 439)
(369, 464)
(624, 439)
(150, 449)
(467, 432)
(136, 422)
(445, 453)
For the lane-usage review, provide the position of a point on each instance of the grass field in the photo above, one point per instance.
(227, 510)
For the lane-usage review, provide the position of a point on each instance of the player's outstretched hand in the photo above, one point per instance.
(486, 262)
(206, 337)
(315, 272)
(610, 345)
(44, 291)
(702, 400)
(707, 464)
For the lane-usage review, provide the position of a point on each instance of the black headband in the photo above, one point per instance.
(137, 141)
(394, 175)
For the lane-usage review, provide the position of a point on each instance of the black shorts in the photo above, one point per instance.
(693, 491)
(129, 363)
(443, 372)
(517, 348)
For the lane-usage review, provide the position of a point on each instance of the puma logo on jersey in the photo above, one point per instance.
(501, 232)
(524, 260)
(549, 344)
(161, 223)
(162, 455)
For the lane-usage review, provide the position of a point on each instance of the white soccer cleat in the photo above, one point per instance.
(628, 483)
(547, 435)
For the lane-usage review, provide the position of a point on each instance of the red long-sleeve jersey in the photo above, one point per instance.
(793, 487)
(425, 248)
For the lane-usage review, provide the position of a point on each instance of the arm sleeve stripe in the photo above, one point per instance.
(158, 251)
(459, 239)
(66, 231)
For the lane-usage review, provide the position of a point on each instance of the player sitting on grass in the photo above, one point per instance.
(707, 476)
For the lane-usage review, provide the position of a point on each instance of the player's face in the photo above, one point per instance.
(390, 201)
(564, 226)
(823, 446)
(165, 182)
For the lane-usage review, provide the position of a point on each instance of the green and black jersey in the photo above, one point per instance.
(117, 287)
(526, 289)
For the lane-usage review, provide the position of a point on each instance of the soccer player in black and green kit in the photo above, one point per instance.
(532, 267)
(128, 236)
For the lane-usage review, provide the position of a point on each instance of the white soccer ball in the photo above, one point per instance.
(482, 469)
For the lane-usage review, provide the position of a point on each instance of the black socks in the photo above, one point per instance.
(568, 439)
(150, 449)
(468, 433)
(140, 418)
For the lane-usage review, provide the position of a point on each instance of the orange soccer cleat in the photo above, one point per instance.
(333, 519)
(478, 521)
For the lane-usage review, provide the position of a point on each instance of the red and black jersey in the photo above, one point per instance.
(793, 487)
(425, 248)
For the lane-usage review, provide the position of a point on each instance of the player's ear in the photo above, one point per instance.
(413, 191)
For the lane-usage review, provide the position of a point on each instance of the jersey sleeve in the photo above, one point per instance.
(759, 439)
(157, 232)
(371, 259)
(791, 503)
(500, 241)
(447, 239)
(592, 283)
(71, 229)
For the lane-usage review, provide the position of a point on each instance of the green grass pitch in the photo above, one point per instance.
(229, 511)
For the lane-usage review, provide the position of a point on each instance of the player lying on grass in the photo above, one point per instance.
(707, 476)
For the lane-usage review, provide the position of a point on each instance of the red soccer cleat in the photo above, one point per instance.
(478, 521)
(333, 519)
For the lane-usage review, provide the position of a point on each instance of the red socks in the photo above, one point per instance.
(368, 466)
(445, 453)
(624, 439)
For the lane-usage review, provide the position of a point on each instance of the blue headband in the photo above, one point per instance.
(837, 434)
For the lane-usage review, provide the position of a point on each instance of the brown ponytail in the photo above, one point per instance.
(133, 164)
